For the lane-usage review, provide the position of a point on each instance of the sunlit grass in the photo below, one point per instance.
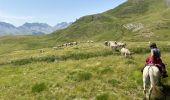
(91, 71)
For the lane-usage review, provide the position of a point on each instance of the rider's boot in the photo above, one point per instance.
(164, 73)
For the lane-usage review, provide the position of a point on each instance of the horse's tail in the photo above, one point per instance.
(153, 79)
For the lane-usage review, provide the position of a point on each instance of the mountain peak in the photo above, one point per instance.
(62, 25)
(36, 24)
(8, 25)
(30, 28)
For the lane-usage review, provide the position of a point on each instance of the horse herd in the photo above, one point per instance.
(115, 45)
(111, 44)
(66, 45)
(71, 44)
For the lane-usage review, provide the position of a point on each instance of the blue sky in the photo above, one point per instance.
(52, 12)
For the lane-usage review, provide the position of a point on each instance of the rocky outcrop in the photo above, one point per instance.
(134, 27)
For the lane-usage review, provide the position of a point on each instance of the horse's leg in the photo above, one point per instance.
(150, 92)
(121, 53)
(144, 90)
(144, 86)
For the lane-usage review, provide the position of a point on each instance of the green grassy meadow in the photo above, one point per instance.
(87, 71)
(82, 72)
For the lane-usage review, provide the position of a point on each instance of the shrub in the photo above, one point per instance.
(165, 49)
(140, 50)
(105, 70)
(38, 87)
(77, 56)
(40, 59)
(80, 75)
(113, 82)
(22, 61)
(47, 59)
(129, 61)
(104, 96)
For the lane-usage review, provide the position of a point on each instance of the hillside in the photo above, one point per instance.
(134, 20)
(149, 19)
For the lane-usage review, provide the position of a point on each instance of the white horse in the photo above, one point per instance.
(151, 73)
(125, 52)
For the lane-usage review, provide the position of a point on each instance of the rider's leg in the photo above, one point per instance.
(164, 72)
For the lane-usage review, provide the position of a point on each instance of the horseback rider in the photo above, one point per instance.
(155, 59)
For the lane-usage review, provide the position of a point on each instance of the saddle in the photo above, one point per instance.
(160, 67)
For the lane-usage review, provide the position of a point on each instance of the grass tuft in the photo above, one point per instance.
(104, 70)
(21, 61)
(80, 75)
(140, 50)
(39, 87)
(78, 56)
(113, 82)
(104, 96)
(129, 61)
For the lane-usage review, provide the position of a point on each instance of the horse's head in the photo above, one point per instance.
(106, 43)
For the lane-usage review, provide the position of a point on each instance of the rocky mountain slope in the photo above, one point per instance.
(30, 28)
